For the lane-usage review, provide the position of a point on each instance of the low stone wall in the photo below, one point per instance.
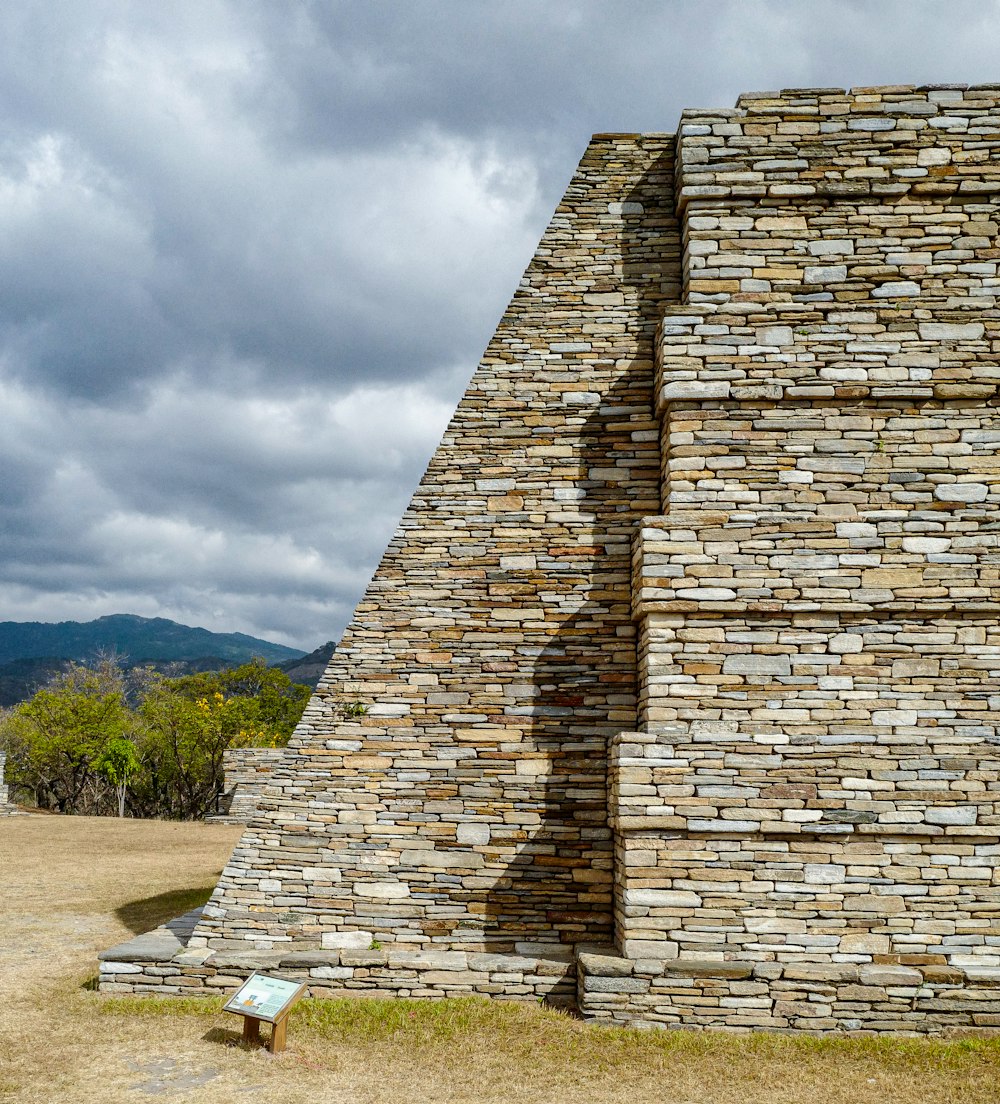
(741, 995)
(688, 993)
(160, 963)
(247, 772)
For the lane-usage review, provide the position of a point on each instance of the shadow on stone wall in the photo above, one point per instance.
(583, 687)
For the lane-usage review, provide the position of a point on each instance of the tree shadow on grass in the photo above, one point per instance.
(150, 912)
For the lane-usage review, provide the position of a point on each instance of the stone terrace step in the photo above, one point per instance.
(158, 945)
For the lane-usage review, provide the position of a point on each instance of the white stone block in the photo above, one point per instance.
(961, 492)
(951, 331)
(824, 873)
(694, 390)
(896, 289)
(656, 949)
(951, 814)
(627, 207)
(473, 833)
(381, 890)
(907, 717)
(338, 973)
(825, 274)
(346, 940)
(926, 544)
(662, 898)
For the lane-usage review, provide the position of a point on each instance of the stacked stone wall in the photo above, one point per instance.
(357, 969)
(815, 786)
(698, 994)
(819, 675)
(831, 411)
(842, 848)
(833, 195)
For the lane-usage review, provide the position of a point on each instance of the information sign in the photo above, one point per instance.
(267, 998)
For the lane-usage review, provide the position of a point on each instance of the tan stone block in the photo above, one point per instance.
(891, 577)
(864, 943)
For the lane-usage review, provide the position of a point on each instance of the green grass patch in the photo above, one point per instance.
(528, 1031)
(380, 1020)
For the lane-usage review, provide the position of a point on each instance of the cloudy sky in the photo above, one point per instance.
(251, 251)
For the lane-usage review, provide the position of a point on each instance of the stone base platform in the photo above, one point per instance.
(705, 993)
(686, 994)
(161, 962)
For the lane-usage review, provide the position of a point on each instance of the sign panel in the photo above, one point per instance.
(264, 997)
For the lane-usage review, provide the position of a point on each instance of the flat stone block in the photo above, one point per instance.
(827, 973)
(381, 891)
(707, 967)
(370, 959)
(900, 976)
(751, 664)
(961, 492)
(604, 965)
(120, 968)
(244, 960)
(662, 898)
(331, 972)
(303, 960)
(951, 331)
(355, 940)
(596, 983)
(428, 960)
(953, 814)
(657, 950)
(149, 951)
(694, 390)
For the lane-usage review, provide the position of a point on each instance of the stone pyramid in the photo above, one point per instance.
(682, 669)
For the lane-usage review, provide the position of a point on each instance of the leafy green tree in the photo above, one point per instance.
(118, 762)
(56, 739)
(100, 738)
(187, 737)
(191, 721)
(279, 702)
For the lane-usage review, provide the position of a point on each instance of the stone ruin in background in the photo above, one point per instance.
(246, 774)
(683, 665)
(5, 806)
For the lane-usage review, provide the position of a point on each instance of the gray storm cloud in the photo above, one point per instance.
(250, 253)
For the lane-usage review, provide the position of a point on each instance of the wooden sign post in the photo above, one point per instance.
(263, 998)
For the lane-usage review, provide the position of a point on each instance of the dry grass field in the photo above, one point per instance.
(72, 886)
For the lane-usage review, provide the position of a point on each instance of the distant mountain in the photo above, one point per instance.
(33, 652)
(309, 669)
(136, 639)
(20, 678)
